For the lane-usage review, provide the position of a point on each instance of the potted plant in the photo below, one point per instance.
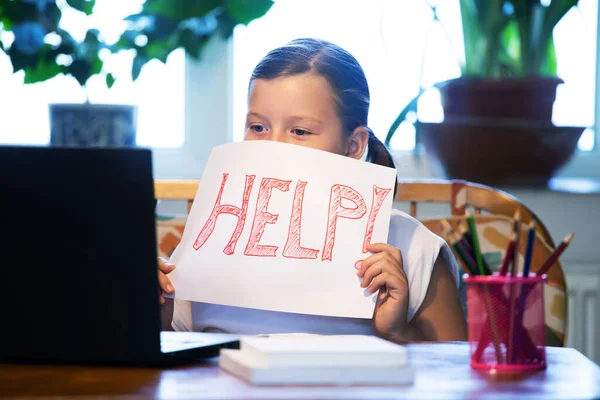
(43, 49)
(498, 115)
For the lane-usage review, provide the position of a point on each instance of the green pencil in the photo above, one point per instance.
(476, 249)
(453, 241)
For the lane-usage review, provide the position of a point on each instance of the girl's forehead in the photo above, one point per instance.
(299, 91)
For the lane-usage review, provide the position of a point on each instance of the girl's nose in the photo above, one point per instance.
(278, 135)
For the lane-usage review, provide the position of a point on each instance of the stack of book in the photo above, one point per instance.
(318, 360)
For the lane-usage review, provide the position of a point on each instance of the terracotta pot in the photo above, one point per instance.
(496, 153)
(519, 98)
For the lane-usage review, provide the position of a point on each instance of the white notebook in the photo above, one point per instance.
(318, 360)
(330, 350)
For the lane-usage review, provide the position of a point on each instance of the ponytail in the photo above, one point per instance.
(378, 153)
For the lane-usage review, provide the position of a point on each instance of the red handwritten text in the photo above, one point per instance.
(344, 202)
(292, 248)
(219, 208)
(336, 210)
(263, 217)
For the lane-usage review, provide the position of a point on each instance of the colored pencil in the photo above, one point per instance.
(476, 249)
(529, 249)
(555, 254)
(460, 249)
(508, 255)
(467, 240)
(523, 290)
(463, 248)
(517, 230)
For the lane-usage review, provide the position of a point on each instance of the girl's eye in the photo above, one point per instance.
(300, 132)
(257, 128)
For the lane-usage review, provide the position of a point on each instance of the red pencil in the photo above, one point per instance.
(555, 254)
(508, 255)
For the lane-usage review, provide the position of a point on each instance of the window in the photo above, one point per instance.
(400, 46)
(158, 92)
(185, 108)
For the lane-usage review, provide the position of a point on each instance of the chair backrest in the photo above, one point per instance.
(462, 194)
(493, 211)
(172, 189)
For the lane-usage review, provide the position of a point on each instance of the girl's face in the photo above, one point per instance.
(298, 109)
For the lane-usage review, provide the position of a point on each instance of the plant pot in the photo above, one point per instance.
(515, 98)
(495, 153)
(92, 125)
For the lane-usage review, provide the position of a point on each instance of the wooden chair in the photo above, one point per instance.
(490, 206)
(462, 194)
(172, 189)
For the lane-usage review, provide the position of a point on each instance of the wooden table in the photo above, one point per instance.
(442, 372)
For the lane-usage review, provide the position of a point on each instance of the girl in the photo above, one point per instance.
(313, 93)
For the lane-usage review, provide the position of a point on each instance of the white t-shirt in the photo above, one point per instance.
(420, 249)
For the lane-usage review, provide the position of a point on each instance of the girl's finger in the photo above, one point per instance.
(377, 269)
(387, 280)
(165, 283)
(372, 260)
(165, 266)
(384, 247)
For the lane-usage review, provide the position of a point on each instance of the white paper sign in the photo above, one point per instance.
(280, 227)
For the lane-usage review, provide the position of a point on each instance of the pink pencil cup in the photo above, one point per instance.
(506, 323)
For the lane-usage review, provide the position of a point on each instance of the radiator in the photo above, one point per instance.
(583, 288)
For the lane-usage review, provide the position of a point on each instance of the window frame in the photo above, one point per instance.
(209, 122)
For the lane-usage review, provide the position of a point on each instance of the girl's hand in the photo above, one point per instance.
(164, 268)
(383, 271)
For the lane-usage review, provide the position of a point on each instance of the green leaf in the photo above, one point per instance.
(138, 62)
(110, 80)
(15, 12)
(68, 45)
(5, 21)
(180, 9)
(509, 54)
(551, 16)
(96, 64)
(85, 6)
(155, 27)
(245, 11)
(226, 25)
(81, 70)
(126, 41)
(187, 39)
(554, 13)
(162, 29)
(472, 34)
(20, 60)
(411, 106)
(42, 71)
(510, 40)
(548, 66)
(159, 50)
(52, 16)
(91, 38)
(6, 24)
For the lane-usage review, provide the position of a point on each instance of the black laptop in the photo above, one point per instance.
(78, 270)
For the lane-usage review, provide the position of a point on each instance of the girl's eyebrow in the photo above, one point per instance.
(257, 115)
(313, 120)
(292, 118)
